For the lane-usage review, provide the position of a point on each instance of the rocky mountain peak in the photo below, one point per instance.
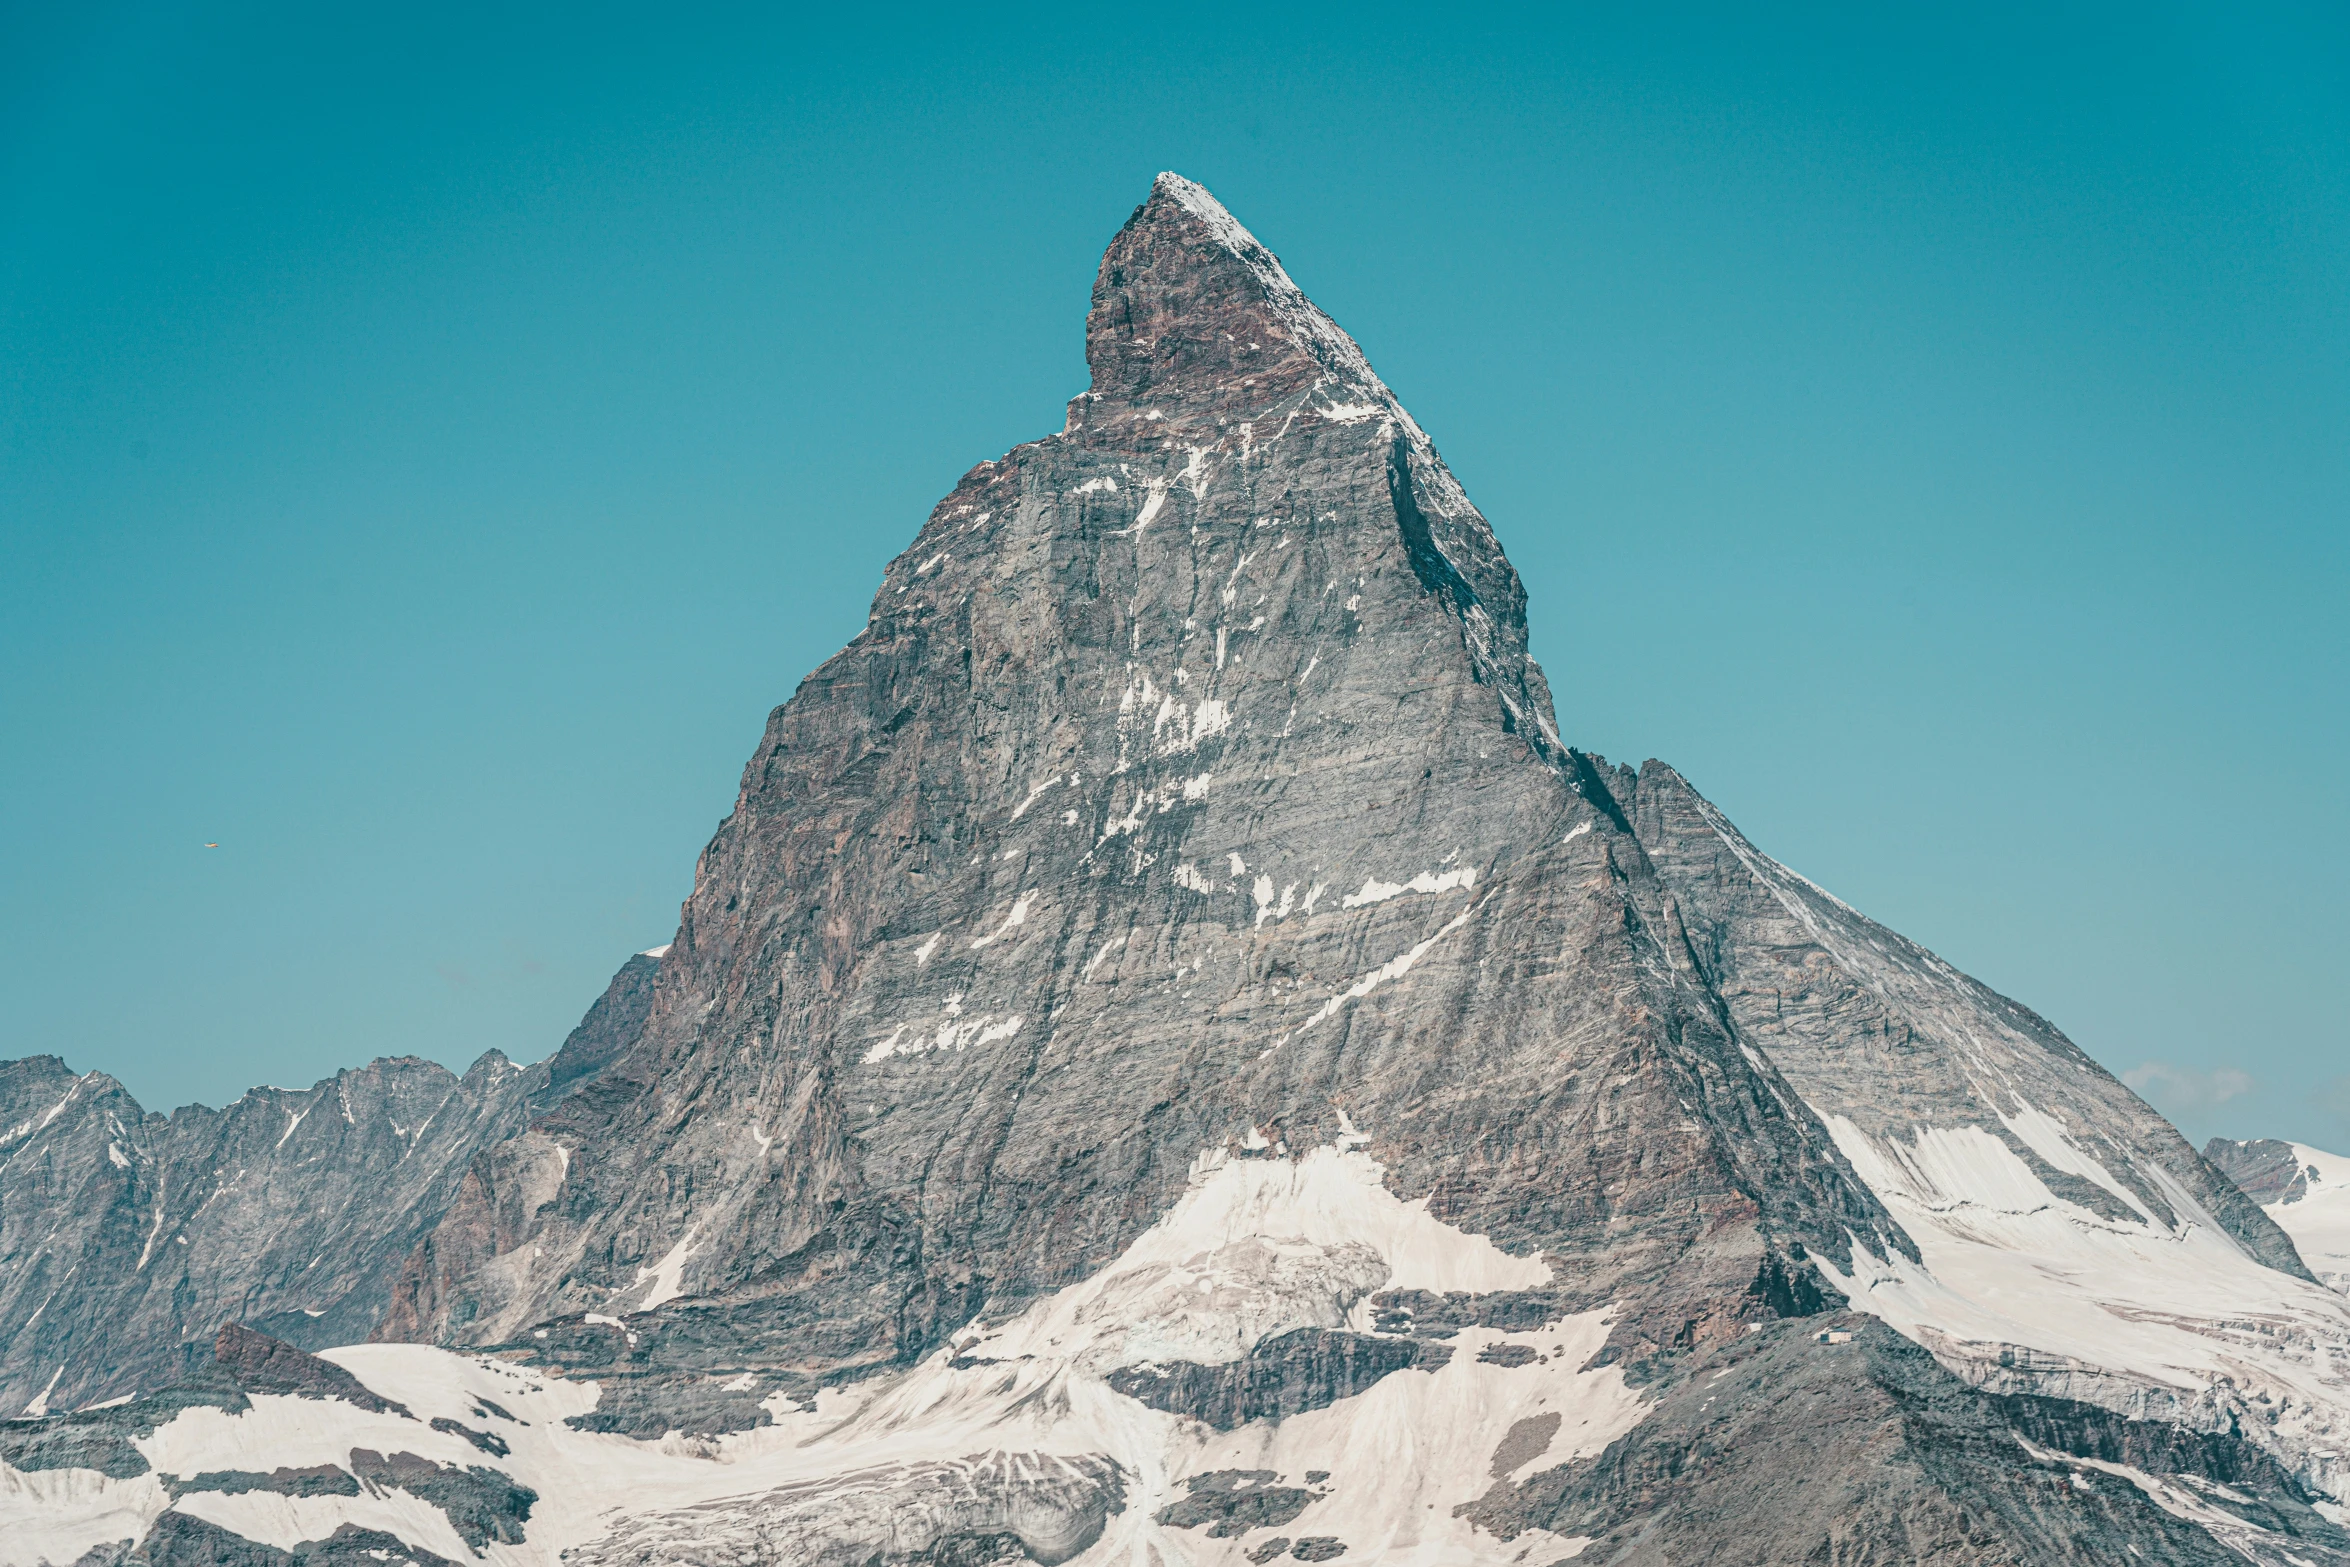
(1195, 324)
(1169, 1047)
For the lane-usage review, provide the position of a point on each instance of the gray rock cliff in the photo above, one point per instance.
(128, 1238)
(1173, 1058)
(1189, 784)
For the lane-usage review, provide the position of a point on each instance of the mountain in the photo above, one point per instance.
(2305, 1190)
(127, 1239)
(1173, 1058)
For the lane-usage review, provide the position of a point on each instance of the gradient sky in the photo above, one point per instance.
(429, 445)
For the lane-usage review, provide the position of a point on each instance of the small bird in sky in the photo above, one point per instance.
(212, 846)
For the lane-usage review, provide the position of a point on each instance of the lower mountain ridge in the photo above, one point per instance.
(2305, 1190)
(1173, 1059)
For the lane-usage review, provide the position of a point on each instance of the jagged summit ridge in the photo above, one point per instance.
(127, 1237)
(1203, 348)
(1294, 324)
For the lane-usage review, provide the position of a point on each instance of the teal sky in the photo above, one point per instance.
(429, 445)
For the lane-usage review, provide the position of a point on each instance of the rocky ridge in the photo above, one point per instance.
(128, 1238)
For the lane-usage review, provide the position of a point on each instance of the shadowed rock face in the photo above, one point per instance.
(1311, 1368)
(257, 1363)
(2265, 1170)
(1189, 779)
(610, 1027)
(181, 1541)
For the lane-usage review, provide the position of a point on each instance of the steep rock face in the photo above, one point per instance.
(127, 1238)
(2264, 1169)
(1882, 1037)
(1189, 789)
(610, 1027)
(1190, 802)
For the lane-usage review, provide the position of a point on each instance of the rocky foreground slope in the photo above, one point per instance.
(1173, 1058)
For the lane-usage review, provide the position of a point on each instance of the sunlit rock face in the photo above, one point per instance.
(1190, 788)
(128, 1238)
(1173, 1059)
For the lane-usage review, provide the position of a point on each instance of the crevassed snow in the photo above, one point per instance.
(55, 1515)
(1377, 891)
(661, 951)
(2019, 1289)
(1320, 1212)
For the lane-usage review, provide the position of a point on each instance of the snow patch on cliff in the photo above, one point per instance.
(1394, 968)
(668, 1275)
(1377, 891)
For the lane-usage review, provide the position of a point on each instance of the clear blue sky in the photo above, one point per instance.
(430, 444)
